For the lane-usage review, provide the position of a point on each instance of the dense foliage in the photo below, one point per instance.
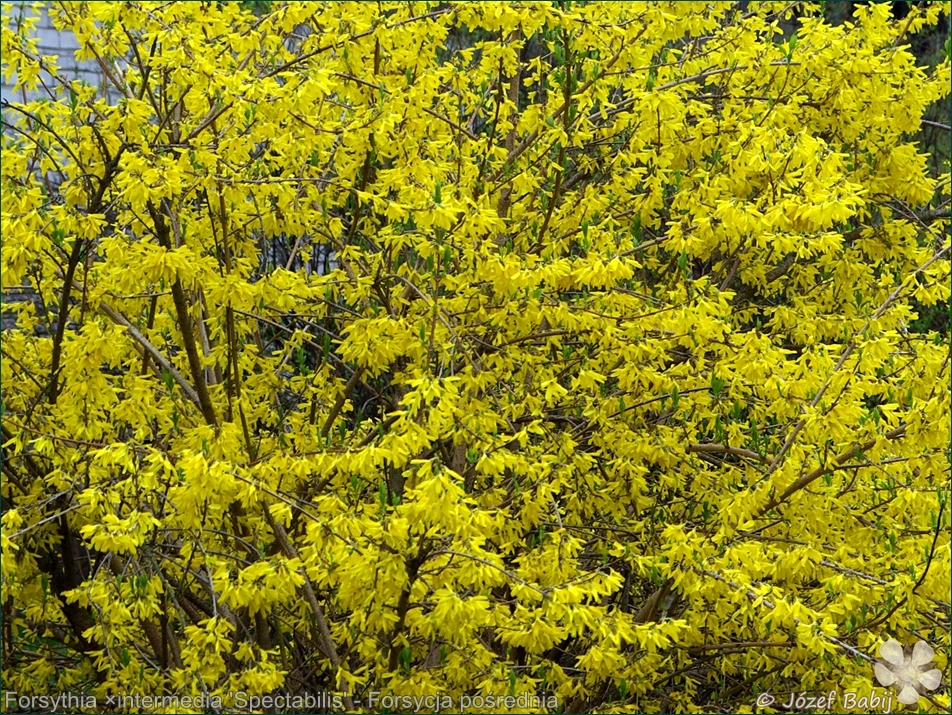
(478, 348)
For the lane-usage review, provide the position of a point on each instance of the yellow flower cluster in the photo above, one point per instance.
(573, 349)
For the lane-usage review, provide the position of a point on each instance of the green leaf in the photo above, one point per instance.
(168, 380)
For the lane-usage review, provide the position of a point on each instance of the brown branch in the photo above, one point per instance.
(61, 319)
(741, 645)
(185, 325)
(534, 134)
(150, 350)
(847, 351)
(723, 448)
(808, 479)
(566, 126)
(649, 611)
(341, 399)
(933, 215)
(514, 85)
(325, 635)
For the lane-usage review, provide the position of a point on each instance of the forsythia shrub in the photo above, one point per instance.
(473, 349)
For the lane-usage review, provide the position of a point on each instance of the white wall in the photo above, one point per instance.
(52, 42)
